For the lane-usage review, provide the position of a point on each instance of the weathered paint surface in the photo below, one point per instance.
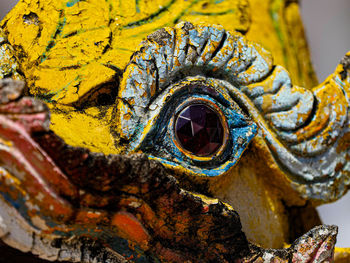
(280, 137)
(153, 220)
(70, 51)
(293, 122)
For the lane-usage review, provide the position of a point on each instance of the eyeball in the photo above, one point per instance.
(200, 129)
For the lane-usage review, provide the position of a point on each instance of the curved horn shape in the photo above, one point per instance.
(306, 130)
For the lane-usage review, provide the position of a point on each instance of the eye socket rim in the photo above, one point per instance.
(222, 118)
(156, 133)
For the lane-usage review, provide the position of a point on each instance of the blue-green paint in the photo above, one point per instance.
(56, 93)
(137, 6)
(20, 205)
(72, 3)
(52, 42)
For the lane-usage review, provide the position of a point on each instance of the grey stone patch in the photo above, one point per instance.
(346, 64)
(188, 26)
(160, 36)
(31, 19)
(3, 38)
(18, 233)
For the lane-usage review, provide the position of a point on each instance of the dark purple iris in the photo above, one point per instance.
(199, 130)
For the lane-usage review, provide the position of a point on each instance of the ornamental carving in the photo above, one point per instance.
(168, 131)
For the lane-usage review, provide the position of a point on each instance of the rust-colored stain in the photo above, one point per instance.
(130, 228)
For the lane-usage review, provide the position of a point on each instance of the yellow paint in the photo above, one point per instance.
(342, 255)
(246, 190)
(90, 130)
(208, 200)
(67, 44)
(6, 142)
(8, 180)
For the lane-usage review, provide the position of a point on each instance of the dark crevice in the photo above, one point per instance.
(301, 219)
(101, 95)
(172, 51)
(109, 45)
(187, 47)
(243, 32)
(73, 33)
(70, 67)
(309, 118)
(115, 68)
(157, 77)
(203, 47)
(220, 46)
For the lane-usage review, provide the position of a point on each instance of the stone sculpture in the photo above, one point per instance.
(211, 141)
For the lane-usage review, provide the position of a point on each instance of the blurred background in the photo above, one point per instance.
(327, 25)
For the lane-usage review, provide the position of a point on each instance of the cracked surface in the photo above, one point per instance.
(66, 57)
(133, 200)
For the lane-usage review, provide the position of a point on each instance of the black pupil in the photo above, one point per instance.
(199, 130)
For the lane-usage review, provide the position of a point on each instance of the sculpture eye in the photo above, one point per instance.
(176, 100)
(195, 123)
(199, 130)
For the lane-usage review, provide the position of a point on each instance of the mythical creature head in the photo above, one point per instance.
(154, 150)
